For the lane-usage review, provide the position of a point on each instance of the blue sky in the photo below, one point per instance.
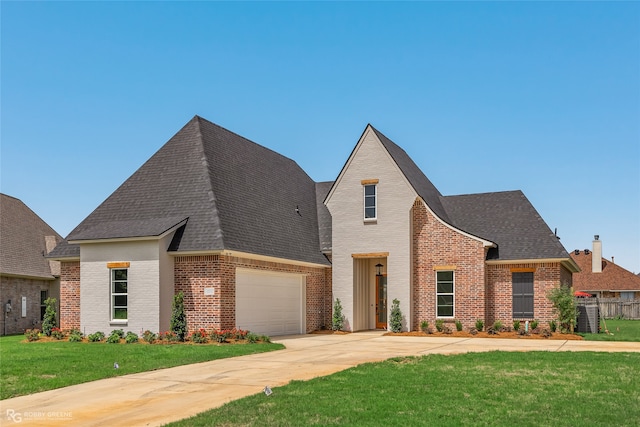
(484, 96)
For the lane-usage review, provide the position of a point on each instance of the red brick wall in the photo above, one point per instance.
(435, 244)
(545, 277)
(194, 273)
(70, 295)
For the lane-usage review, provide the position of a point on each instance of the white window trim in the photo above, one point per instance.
(112, 298)
(453, 294)
(364, 202)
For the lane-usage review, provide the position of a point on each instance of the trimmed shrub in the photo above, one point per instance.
(516, 325)
(114, 337)
(49, 321)
(395, 322)
(199, 337)
(424, 326)
(96, 336)
(149, 337)
(337, 321)
(439, 325)
(32, 334)
(564, 305)
(534, 324)
(178, 317)
(480, 325)
(57, 333)
(75, 335)
(458, 325)
(131, 338)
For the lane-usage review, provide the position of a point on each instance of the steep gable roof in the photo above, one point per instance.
(508, 219)
(233, 193)
(324, 216)
(612, 278)
(24, 238)
(418, 180)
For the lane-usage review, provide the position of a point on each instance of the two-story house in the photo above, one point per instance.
(254, 243)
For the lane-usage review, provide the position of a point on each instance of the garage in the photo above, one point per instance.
(270, 303)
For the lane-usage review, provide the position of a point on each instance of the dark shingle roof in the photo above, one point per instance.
(65, 250)
(415, 176)
(236, 194)
(23, 240)
(324, 217)
(507, 219)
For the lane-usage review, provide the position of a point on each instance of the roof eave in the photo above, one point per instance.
(131, 238)
(247, 255)
(566, 262)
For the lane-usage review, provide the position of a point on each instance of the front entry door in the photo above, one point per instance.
(381, 302)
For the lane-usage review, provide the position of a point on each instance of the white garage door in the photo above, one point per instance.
(270, 303)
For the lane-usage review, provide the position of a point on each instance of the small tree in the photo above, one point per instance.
(337, 321)
(49, 321)
(564, 306)
(178, 317)
(396, 316)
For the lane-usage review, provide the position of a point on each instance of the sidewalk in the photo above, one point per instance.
(158, 397)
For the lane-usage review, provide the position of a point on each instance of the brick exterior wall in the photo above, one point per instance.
(481, 291)
(434, 245)
(14, 288)
(194, 273)
(546, 276)
(69, 313)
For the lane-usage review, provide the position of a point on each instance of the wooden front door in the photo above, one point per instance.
(381, 302)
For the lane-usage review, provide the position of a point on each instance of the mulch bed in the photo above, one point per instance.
(465, 334)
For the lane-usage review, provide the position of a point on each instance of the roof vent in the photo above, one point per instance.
(577, 251)
(586, 251)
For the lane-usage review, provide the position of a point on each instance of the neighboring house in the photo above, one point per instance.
(27, 278)
(254, 243)
(601, 277)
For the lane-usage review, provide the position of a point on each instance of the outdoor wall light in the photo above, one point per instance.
(379, 269)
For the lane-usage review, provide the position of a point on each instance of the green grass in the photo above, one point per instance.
(474, 389)
(27, 368)
(620, 330)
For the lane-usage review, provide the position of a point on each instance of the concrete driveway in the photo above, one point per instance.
(157, 397)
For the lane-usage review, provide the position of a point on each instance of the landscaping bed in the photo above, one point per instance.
(484, 334)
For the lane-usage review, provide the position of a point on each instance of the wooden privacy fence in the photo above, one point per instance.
(614, 307)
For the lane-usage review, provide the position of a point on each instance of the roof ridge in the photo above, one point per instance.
(207, 169)
(484, 193)
(209, 122)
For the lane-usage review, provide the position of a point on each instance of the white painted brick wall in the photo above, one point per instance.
(390, 234)
(143, 285)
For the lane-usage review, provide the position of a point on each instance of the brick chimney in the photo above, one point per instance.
(596, 257)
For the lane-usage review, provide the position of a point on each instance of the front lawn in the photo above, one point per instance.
(474, 389)
(30, 367)
(619, 330)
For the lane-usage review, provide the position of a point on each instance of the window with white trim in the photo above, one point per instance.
(445, 294)
(522, 289)
(119, 294)
(370, 201)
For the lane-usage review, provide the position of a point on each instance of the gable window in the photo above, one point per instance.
(119, 295)
(370, 201)
(444, 294)
(522, 288)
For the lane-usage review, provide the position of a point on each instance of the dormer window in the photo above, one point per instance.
(370, 199)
